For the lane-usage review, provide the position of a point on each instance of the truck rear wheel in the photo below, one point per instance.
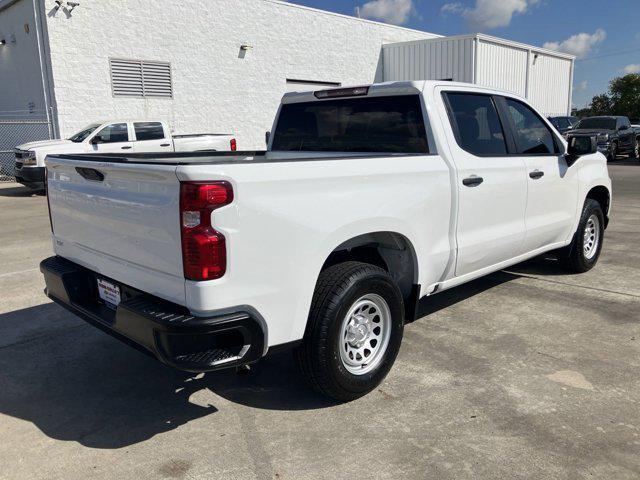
(353, 332)
(585, 248)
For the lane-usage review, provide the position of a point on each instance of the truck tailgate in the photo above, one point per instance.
(120, 220)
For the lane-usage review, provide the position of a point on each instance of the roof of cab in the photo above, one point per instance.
(394, 88)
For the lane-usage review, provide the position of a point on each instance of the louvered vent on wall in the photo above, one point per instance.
(135, 78)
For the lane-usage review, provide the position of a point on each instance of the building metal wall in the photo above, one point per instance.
(438, 59)
(550, 84)
(543, 77)
(217, 87)
(501, 67)
(21, 86)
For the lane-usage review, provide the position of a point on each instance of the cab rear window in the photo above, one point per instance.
(392, 124)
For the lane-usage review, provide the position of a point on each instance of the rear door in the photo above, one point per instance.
(552, 188)
(491, 184)
(151, 137)
(112, 138)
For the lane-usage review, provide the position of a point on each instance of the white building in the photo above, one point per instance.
(542, 76)
(222, 65)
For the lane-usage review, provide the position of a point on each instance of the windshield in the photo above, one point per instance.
(84, 133)
(598, 122)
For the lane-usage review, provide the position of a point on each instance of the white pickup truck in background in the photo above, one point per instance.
(113, 137)
(367, 200)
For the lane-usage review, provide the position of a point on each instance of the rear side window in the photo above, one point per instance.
(116, 132)
(475, 122)
(532, 135)
(382, 124)
(148, 130)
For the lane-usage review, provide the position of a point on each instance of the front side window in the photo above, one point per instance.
(374, 124)
(116, 132)
(148, 130)
(475, 122)
(531, 134)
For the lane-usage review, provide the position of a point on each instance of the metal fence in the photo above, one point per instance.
(17, 132)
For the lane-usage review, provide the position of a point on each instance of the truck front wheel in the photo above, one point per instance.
(353, 332)
(586, 245)
(613, 153)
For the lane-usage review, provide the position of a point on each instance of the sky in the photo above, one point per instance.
(604, 35)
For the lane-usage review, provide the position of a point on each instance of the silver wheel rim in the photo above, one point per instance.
(365, 333)
(637, 151)
(591, 237)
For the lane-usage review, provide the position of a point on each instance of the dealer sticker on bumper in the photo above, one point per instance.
(109, 292)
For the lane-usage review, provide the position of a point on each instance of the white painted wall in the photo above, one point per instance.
(21, 88)
(215, 89)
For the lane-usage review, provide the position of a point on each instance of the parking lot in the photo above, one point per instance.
(528, 373)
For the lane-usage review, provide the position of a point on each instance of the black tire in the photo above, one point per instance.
(338, 288)
(577, 261)
(613, 154)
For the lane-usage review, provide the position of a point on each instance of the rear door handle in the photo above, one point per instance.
(165, 144)
(536, 174)
(472, 181)
(126, 147)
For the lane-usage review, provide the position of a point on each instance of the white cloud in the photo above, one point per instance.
(580, 44)
(632, 68)
(455, 8)
(582, 86)
(395, 12)
(487, 14)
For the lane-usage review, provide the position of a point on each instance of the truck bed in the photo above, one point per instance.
(217, 158)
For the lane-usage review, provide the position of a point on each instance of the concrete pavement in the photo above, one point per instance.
(529, 373)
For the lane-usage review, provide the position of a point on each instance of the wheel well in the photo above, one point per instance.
(390, 251)
(601, 195)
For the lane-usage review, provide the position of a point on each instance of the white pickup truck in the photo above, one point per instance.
(113, 137)
(367, 200)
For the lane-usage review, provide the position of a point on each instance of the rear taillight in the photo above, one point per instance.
(204, 251)
(234, 145)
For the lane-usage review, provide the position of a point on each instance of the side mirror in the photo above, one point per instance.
(267, 136)
(624, 127)
(580, 145)
(95, 140)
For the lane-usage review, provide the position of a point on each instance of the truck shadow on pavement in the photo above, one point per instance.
(76, 383)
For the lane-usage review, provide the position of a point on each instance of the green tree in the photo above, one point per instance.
(601, 105)
(625, 95)
(623, 98)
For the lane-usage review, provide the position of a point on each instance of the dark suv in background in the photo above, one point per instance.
(613, 134)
